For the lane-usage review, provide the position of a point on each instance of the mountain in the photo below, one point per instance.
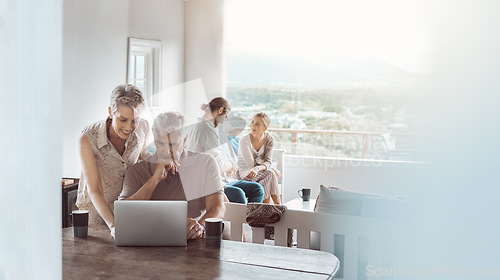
(345, 71)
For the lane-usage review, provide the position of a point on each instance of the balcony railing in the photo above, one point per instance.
(348, 144)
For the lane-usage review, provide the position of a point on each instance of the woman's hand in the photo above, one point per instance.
(277, 172)
(112, 232)
(253, 172)
(195, 230)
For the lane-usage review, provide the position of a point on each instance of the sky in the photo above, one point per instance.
(397, 32)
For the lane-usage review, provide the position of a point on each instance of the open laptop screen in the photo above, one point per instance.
(150, 223)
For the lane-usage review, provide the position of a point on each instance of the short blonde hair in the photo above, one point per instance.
(265, 118)
(128, 95)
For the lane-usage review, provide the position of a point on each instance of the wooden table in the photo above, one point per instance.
(97, 257)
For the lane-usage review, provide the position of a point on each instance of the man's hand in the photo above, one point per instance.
(231, 171)
(195, 230)
(164, 168)
(161, 172)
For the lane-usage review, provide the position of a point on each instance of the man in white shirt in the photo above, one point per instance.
(204, 138)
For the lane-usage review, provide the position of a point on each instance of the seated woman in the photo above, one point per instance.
(255, 155)
(107, 149)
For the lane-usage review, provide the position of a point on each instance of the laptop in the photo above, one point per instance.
(150, 223)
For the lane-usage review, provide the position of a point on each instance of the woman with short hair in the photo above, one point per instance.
(107, 148)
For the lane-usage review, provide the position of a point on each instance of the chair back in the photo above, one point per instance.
(356, 241)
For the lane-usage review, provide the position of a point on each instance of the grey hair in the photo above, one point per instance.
(128, 95)
(169, 122)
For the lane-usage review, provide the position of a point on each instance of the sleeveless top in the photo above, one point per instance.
(111, 164)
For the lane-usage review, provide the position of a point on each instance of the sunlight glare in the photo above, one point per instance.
(395, 31)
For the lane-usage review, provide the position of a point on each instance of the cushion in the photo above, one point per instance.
(333, 200)
(235, 143)
(382, 207)
(151, 148)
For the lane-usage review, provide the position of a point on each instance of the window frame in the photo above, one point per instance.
(151, 50)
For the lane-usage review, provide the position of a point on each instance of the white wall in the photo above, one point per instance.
(387, 178)
(94, 62)
(164, 21)
(30, 143)
(204, 52)
(95, 37)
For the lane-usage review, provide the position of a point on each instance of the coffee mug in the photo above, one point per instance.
(80, 220)
(214, 227)
(305, 193)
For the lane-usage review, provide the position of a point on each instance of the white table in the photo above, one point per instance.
(299, 204)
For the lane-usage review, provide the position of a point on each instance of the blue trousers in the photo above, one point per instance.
(243, 191)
